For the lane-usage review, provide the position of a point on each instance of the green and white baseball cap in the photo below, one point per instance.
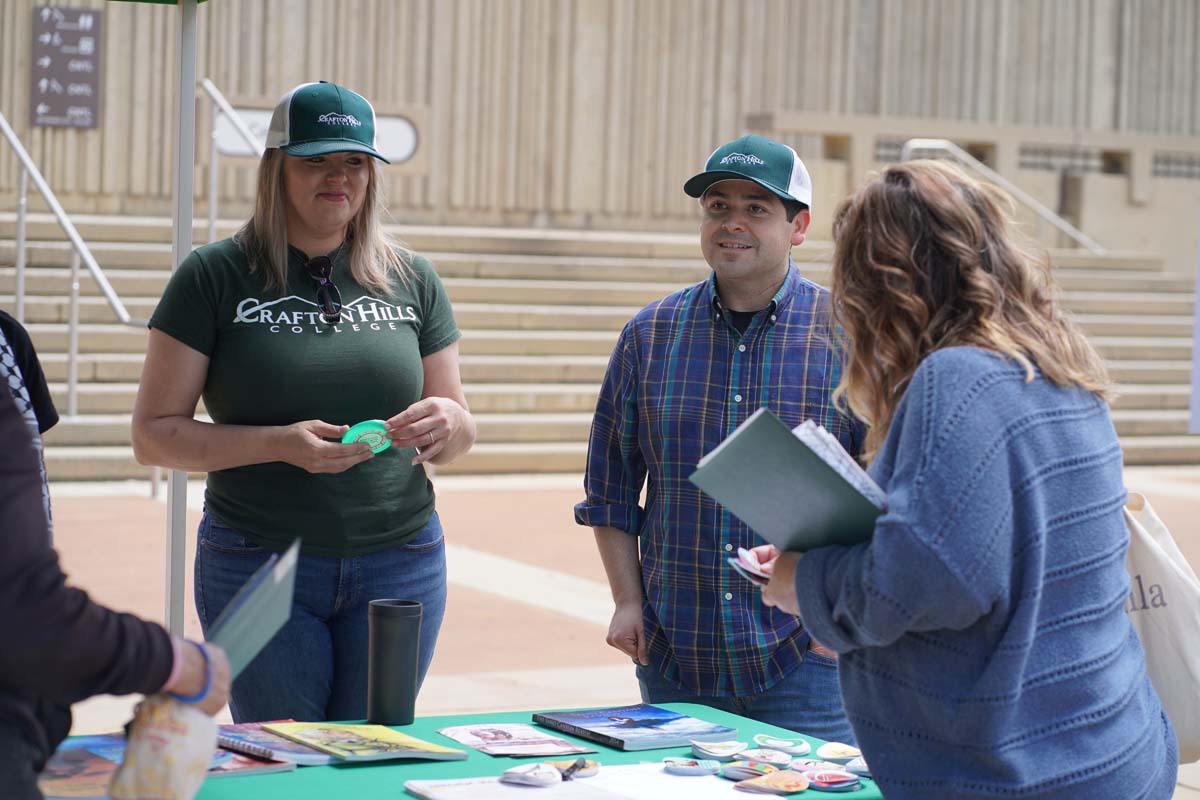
(318, 118)
(771, 165)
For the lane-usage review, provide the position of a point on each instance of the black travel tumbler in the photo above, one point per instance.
(394, 636)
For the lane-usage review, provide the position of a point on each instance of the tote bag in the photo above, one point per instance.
(1164, 606)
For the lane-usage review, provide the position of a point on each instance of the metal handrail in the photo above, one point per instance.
(965, 158)
(79, 253)
(221, 106)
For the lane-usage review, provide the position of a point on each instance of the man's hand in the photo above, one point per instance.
(780, 591)
(626, 633)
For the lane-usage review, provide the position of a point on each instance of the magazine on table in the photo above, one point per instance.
(512, 739)
(250, 738)
(362, 742)
(637, 727)
(83, 766)
(227, 763)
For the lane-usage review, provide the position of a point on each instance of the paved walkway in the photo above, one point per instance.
(528, 605)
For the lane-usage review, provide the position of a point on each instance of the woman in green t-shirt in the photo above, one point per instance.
(306, 322)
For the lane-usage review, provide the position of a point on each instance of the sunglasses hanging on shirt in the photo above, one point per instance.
(328, 297)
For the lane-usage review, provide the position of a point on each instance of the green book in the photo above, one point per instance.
(798, 489)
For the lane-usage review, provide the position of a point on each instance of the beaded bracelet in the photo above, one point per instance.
(208, 680)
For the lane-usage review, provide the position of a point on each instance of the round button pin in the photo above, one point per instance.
(371, 432)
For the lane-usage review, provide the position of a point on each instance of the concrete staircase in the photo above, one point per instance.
(540, 311)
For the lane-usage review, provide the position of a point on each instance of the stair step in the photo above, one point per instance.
(117, 462)
(114, 429)
(565, 293)
(1151, 422)
(1174, 372)
(1129, 303)
(1151, 396)
(535, 369)
(108, 254)
(515, 397)
(127, 283)
(1143, 347)
(93, 338)
(98, 367)
(1171, 326)
(43, 309)
(1161, 449)
(542, 317)
(476, 341)
(508, 398)
(522, 457)
(668, 274)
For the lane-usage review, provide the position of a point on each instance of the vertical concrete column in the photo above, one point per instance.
(589, 74)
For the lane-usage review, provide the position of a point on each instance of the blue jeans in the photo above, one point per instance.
(315, 669)
(807, 701)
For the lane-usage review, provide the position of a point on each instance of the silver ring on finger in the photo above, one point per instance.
(430, 438)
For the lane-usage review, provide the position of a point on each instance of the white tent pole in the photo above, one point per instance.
(181, 245)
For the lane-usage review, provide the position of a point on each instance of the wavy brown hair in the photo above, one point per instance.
(375, 257)
(926, 257)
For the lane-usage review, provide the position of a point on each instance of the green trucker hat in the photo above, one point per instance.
(771, 165)
(318, 118)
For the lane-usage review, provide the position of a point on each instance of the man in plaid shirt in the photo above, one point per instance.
(686, 371)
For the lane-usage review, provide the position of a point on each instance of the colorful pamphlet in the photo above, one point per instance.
(639, 727)
(362, 742)
(251, 739)
(227, 763)
(83, 766)
(512, 739)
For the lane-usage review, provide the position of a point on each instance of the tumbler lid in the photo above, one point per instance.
(394, 608)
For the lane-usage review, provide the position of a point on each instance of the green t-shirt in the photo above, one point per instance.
(273, 361)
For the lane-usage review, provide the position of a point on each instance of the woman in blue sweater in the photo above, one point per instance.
(984, 647)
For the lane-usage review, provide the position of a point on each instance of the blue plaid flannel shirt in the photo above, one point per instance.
(680, 380)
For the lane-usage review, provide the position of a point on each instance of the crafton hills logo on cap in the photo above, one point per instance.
(333, 118)
(742, 158)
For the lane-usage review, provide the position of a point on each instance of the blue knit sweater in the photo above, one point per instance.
(985, 648)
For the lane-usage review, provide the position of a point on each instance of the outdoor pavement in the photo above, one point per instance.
(528, 603)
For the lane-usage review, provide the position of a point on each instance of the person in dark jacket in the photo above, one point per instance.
(59, 646)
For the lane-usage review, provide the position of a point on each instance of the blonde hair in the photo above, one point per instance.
(375, 257)
(925, 258)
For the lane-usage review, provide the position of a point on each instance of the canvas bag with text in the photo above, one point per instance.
(1164, 606)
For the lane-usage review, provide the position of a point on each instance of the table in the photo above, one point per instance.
(385, 779)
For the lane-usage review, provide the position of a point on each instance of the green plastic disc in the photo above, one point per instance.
(371, 432)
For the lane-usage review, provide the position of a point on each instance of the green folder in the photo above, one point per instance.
(785, 490)
(258, 610)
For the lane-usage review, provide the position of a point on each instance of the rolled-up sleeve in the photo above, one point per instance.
(616, 467)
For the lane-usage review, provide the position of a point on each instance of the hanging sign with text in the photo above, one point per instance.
(66, 67)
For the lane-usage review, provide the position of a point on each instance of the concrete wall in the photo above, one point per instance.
(593, 112)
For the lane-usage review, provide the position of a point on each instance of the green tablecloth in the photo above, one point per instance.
(385, 779)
